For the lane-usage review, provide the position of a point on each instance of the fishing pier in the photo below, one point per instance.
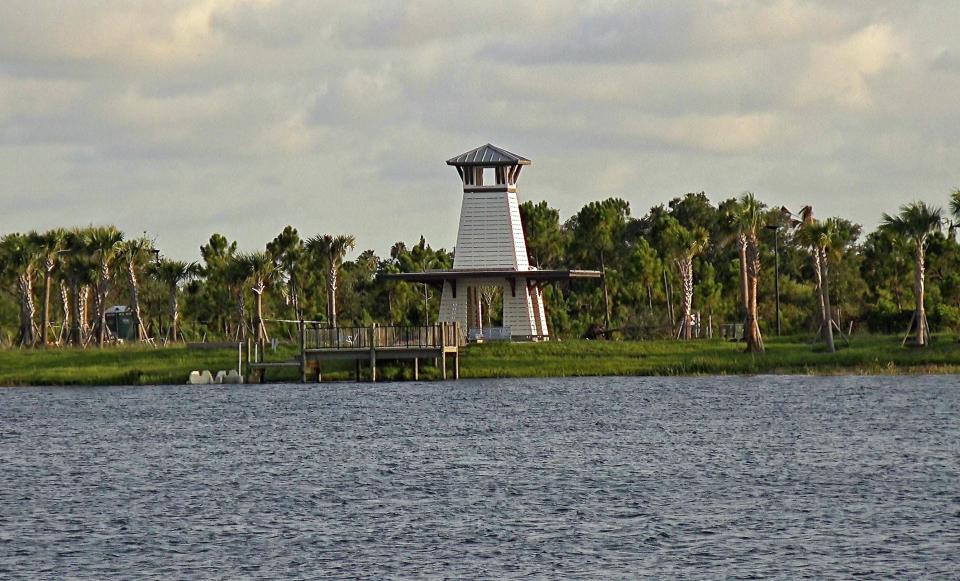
(367, 346)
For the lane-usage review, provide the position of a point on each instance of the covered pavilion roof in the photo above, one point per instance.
(438, 276)
(488, 155)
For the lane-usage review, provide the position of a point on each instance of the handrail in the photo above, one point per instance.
(383, 336)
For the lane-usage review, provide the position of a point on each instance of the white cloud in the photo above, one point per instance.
(841, 72)
(245, 115)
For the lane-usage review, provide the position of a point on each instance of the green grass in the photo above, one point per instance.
(134, 365)
(127, 365)
(866, 355)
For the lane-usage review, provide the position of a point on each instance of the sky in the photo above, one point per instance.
(182, 118)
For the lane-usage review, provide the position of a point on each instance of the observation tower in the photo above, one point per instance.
(491, 253)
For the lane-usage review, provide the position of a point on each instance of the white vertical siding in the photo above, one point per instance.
(541, 312)
(518, 311)
(453, 309)
(491, 234)
(521, 259)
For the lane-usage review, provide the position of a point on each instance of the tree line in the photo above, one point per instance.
(680, 269)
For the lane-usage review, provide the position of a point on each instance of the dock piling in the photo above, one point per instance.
(303, 353)
(373, 353)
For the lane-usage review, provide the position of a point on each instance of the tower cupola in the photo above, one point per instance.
(489, 168)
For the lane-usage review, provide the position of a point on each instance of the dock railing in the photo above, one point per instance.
(383, 337)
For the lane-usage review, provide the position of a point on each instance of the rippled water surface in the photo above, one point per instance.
(575, 478)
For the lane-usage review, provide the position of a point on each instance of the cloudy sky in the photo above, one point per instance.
(182, 117)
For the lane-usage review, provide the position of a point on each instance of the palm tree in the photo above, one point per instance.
(18, 258)
(833, 238)
(104, 243)
(135, 253)
(287, 252)
(821, 238)
(389, 267)
(732, 210)
(685, 244)
(172, 273)
(50, 245)
(916, 221)
(422, 258)
(954, 211)
(747, 218)
(78, 269)
(330, 250)
(235, 275)
(262, 273)
(808, 237)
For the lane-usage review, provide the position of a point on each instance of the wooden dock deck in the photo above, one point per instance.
(369, 345)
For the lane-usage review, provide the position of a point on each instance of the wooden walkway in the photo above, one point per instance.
(369, 345)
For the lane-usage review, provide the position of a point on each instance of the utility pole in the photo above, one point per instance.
(776, 280)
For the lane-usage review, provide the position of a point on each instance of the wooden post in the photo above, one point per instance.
(249, 369)
(373, 353)
(443, 348)
(456, 353)
(358, 370)
(416, 369)
(303, 353)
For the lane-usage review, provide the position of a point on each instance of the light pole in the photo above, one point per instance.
(776, 280)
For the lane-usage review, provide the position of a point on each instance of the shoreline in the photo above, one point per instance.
(868, 355)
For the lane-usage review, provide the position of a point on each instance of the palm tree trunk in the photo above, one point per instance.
(685, 265)
(27, 309)
(295, 297)
(426, 305)
(241, 317)
(332, 295)
(606, 293)
(103, 289)
(744, 282)
(135, 301)
(67, 315)
(754, 338)
(84, 318)
(76, 313)
(824, 272)
(174, 313)
(48, 267)
(918, 275)
(668, 293)
(390, 303)
(258, 318)
(818, 281)
(91, 317)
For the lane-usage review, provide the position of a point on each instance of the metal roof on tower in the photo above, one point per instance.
(488, 155)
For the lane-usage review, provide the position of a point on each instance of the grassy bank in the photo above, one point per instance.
(132, 365)
(866, 354)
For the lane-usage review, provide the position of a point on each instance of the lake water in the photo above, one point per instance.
(567, 478)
